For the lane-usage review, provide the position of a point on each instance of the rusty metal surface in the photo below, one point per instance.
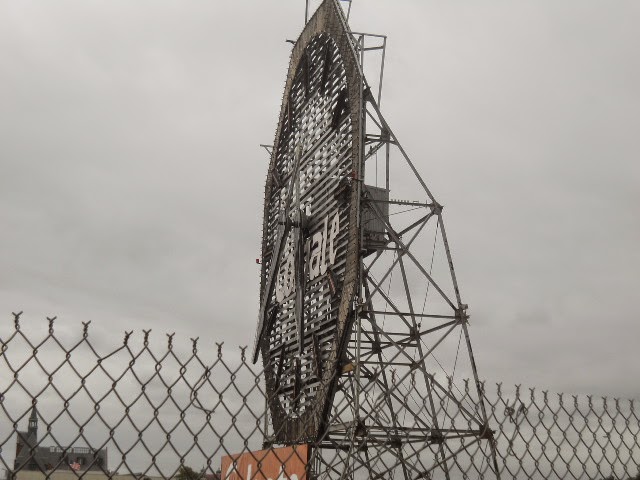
(321, 115)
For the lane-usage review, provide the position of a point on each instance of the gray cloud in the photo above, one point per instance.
(132, 180)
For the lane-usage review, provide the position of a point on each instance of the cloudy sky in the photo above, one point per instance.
(131, 174)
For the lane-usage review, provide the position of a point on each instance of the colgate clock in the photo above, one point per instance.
(310, 245)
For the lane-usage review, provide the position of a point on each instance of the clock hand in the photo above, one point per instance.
(278, 247)
(299, 266)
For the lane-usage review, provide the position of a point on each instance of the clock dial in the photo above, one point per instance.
(310, 236)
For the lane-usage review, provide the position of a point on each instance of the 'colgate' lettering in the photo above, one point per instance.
(319, 253)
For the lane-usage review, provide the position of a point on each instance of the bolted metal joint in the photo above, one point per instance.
(436, 437)
(486, 433)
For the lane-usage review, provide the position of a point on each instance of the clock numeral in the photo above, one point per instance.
(306, 77)
(341, 110)
(303, 75)
(326, 68)
(342, 191)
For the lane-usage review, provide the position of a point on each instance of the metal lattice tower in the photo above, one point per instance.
(403, 407)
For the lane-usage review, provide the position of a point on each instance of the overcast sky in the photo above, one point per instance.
(131, 177)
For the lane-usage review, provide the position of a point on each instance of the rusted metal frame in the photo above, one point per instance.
(409, 162)
(400, 342)
(406, 340)
(409, 203)
(479, 389)
(381, 474)
(377, 257)
(374, 379)
(426, 473)
(417, 315)
(390, 392)
(373, 376)
(401, 349)
(361, 44)
(416, 453)
(420, 353)
(391, 362)
(384, 52)
(421, 223)
(387, 249)
(420, 363)
(368, 467)
(452, 455)
(377, 139)
(396, 239)
(355, 400)
(373, 150)
(268, 148)
(368, 459)
(465, 330)
(402, 151)
(408, 431)
(327, 464)
(299, 271)
(409, 439)
(458, 434)
(376, 35)
(387, 299)
(397, 334)
(378, 468)
(364, 442)
(414, 225)
(380, 359)
(447, 250)
(378, 124)
(350, 37)
(334, 24)
(411, 459)
(390, 302)
(359, 172)
(387, 157)
(396, 343)
(326, 435)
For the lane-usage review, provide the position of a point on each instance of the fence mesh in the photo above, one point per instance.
(77, 406)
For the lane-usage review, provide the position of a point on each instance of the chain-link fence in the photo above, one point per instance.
(73, 405)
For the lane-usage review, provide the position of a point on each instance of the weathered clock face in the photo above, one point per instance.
(310, 240)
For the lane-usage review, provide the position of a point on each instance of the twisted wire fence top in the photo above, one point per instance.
(133, 406)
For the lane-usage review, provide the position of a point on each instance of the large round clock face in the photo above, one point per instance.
(307, 237)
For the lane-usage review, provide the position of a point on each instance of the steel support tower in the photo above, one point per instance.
(409, 402)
